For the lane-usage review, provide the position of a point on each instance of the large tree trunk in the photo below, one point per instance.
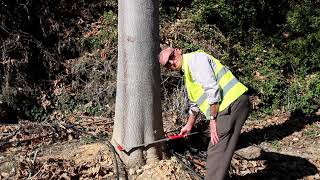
(138, 110)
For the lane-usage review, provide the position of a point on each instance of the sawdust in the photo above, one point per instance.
(98, 153)
(91, 153)
(164, 169)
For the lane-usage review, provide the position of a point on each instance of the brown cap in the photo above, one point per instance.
(164, 55)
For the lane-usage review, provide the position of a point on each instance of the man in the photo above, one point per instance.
(213, 90)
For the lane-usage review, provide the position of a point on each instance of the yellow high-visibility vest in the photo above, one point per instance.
(230, 87)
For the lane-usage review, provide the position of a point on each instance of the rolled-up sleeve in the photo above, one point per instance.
(193, 109)
(202, 71)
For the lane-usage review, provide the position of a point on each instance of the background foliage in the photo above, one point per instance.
(60, 56)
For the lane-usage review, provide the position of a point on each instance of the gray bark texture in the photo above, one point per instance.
(138, 108)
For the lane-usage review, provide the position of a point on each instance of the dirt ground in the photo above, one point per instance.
(285, 146)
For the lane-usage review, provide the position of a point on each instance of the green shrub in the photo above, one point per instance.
(304, 94)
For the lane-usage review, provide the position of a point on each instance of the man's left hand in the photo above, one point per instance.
(213, 131)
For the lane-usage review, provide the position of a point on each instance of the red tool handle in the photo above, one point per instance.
(120, 148)
(178, 136)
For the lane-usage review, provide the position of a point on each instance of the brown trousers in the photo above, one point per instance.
(229, 124)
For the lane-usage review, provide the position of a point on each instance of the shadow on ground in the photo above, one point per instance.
(7, 114)
(295, 123)
(282, 167)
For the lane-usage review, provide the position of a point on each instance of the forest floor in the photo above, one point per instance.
(285, 146)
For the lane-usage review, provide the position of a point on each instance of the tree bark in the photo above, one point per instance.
(138, 108)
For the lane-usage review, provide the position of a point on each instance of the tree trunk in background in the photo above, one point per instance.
(138, 110)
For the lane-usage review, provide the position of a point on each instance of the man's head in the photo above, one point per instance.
(171, 58)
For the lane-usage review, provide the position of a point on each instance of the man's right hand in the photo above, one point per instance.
(186, 129)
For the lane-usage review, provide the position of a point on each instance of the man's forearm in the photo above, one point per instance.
(188, 127)
(191, 119)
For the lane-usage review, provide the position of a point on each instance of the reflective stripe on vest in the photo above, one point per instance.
(229, 86)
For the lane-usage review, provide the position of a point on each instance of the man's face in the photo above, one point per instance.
(175, 60)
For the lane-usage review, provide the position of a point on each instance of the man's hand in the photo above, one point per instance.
(213, 132)
(186, 129)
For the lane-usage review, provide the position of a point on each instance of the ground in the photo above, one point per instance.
(278, 147)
